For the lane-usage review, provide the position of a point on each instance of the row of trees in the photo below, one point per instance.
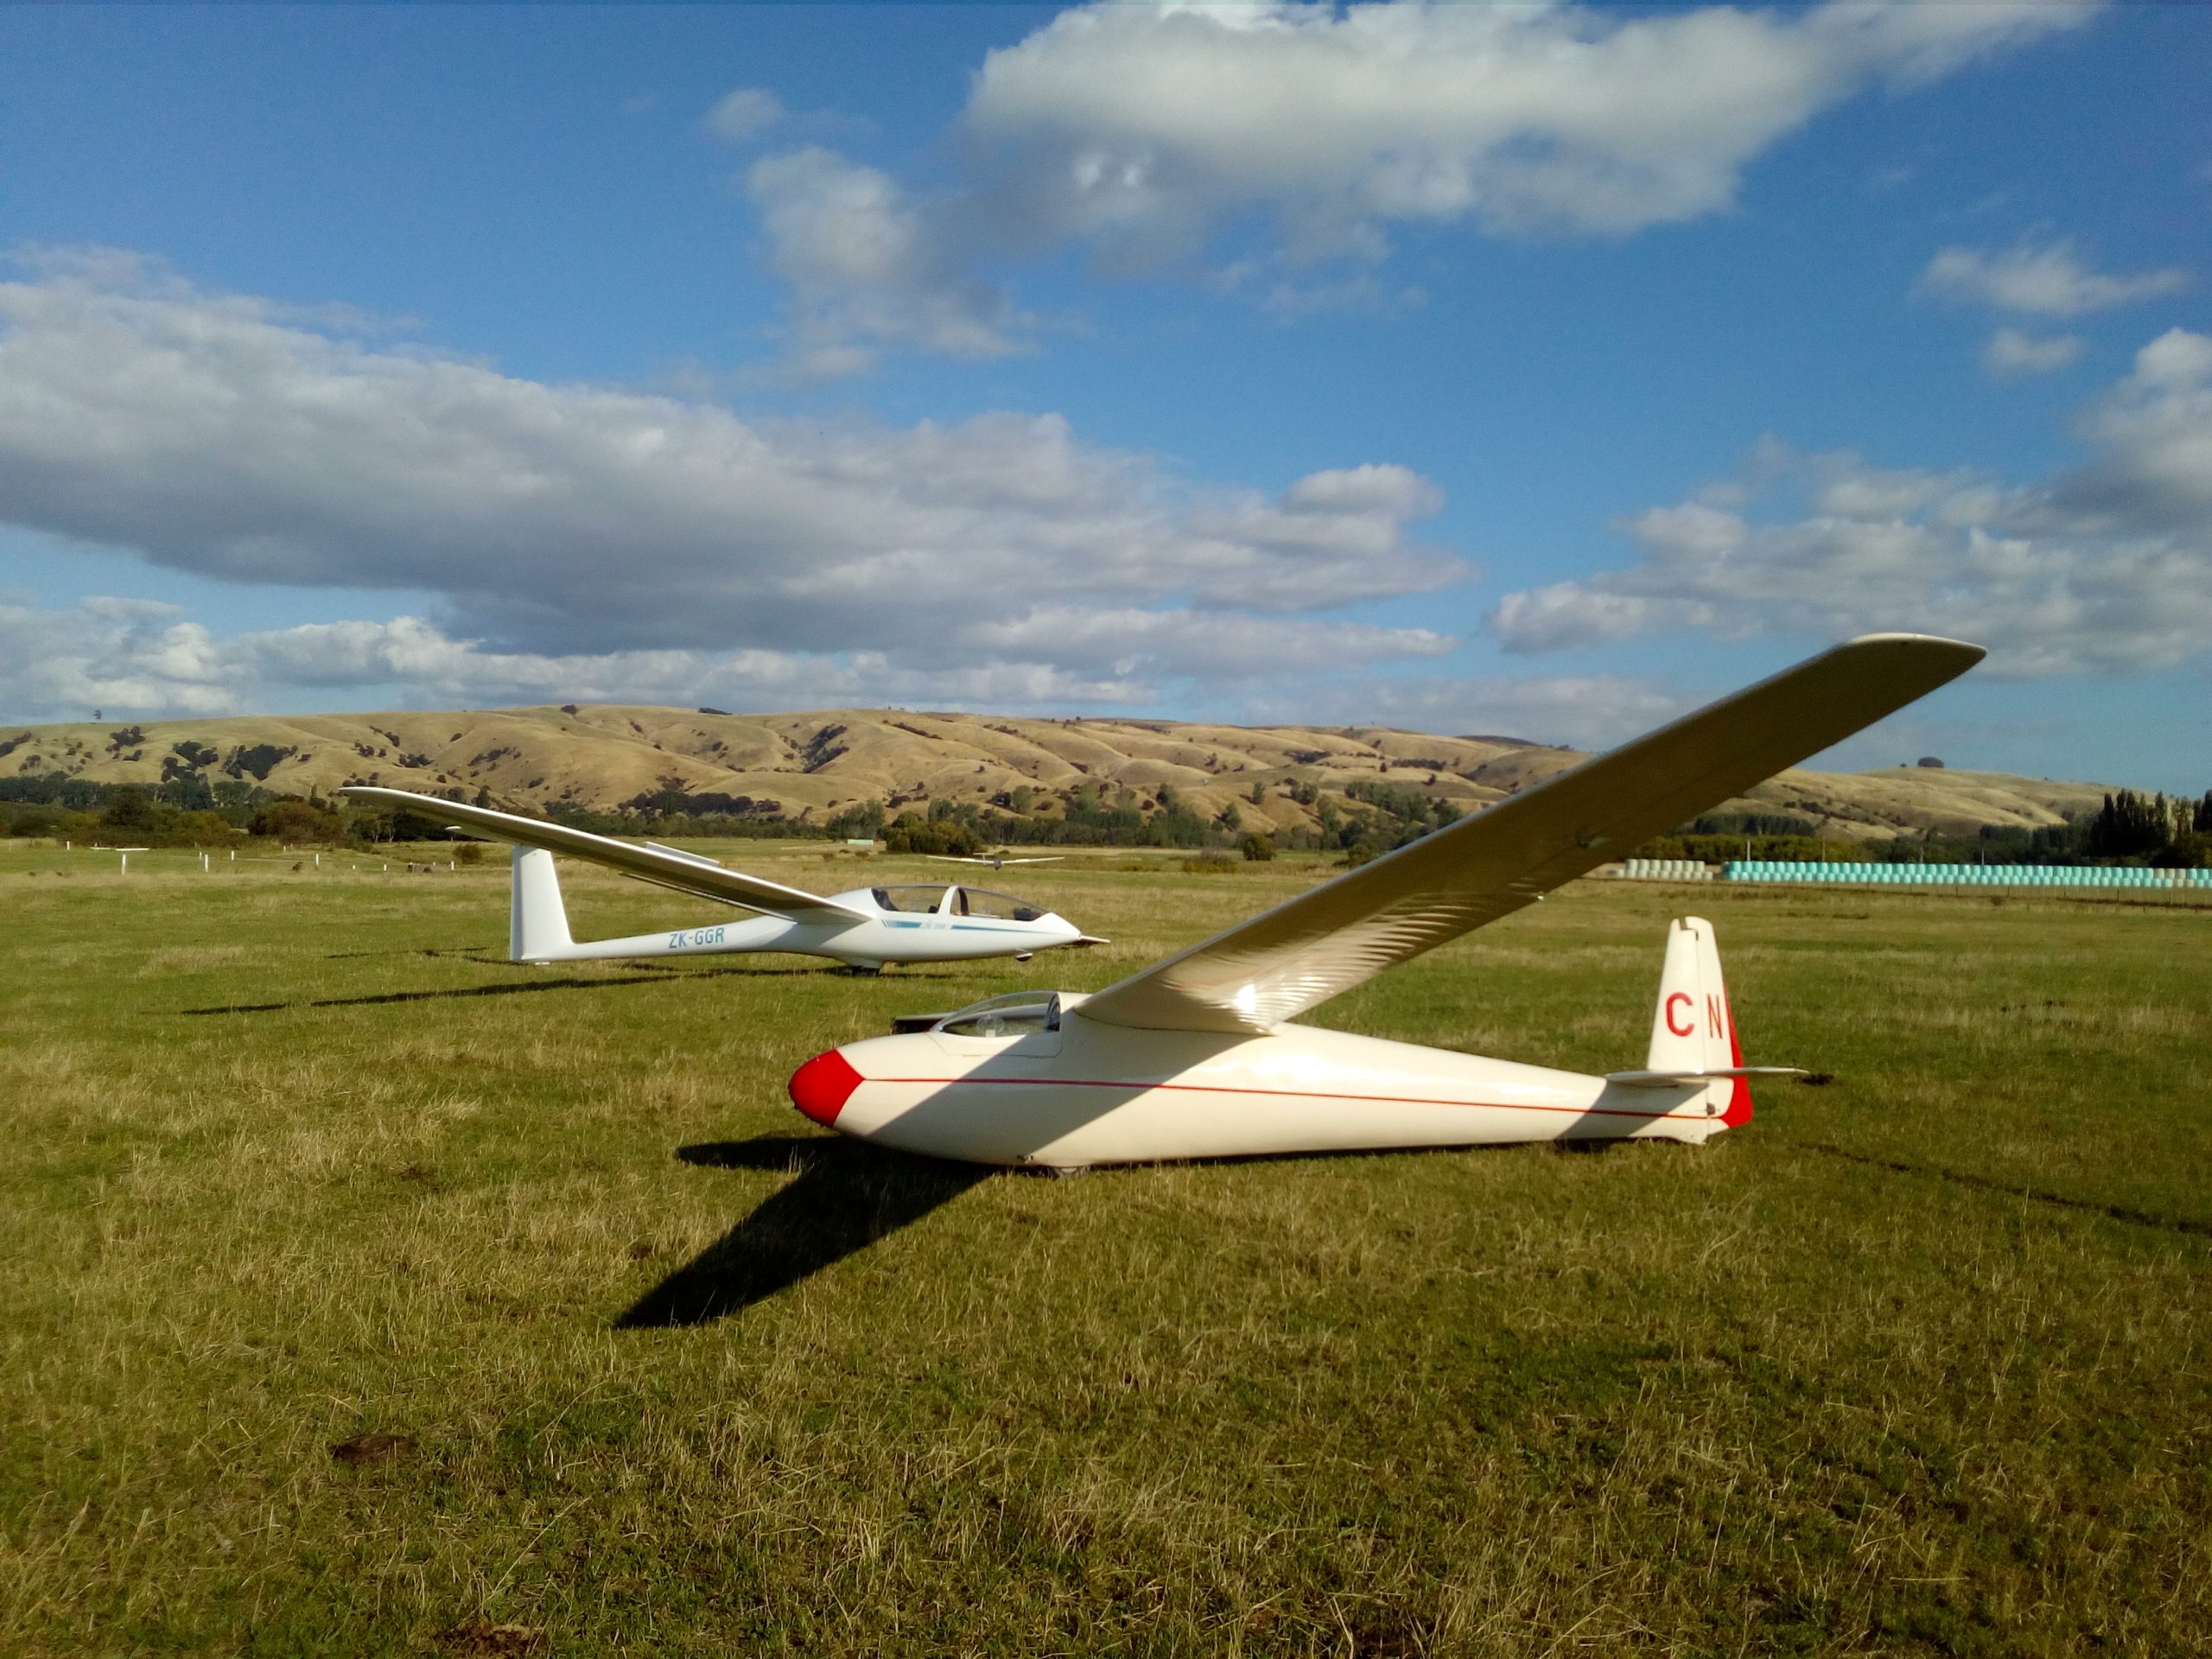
(1374, 818)
(2152, 827)
(2128, 828)
(170, 815)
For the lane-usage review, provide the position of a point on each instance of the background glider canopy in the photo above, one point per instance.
(684, 871)
(1297, 956)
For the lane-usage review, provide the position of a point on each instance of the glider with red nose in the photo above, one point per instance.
(1201, 1055)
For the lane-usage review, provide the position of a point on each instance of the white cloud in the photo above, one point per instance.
(1203, 645)
(2107, 568)
(745, 113)
(141, 659)
(868, 269)
(2011, 354)
(1147, 132)
(592, 529)
(122, 654)
(2047, 281)
(2153, 431)
(1581, 711)
(1145, 129)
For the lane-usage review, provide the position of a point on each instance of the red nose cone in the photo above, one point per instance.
(822, 1086)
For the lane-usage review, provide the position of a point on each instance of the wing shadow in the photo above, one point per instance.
(658, 975)
(845, 1196)
(2033, 1195)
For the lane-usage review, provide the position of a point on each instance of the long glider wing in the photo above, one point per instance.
(1343, 933)
(663, 865)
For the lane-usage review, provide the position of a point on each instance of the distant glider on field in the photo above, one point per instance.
(1198, 1056)
(996, 861)
(864, 928)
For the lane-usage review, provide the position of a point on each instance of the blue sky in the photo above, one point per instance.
(1535, 369)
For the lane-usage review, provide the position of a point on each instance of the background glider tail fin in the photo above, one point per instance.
(538, 926)
(1692, 1028)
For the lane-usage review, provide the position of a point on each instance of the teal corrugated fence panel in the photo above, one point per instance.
(1964, 875)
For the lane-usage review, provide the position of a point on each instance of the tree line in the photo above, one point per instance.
(2167, 832)
(1372, 818)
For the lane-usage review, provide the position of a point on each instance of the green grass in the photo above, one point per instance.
(1916, 1363)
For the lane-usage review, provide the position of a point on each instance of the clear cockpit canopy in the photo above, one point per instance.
(974, 901)
(914, 900)
(1017, 1014)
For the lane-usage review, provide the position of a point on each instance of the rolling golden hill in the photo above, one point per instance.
(809, 765)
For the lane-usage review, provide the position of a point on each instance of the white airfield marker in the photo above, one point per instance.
(1198, 1056)
(864, 928)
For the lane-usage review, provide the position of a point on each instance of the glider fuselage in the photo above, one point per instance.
(868, 940)
(1091, 1093)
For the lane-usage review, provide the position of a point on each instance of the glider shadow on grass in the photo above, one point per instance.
(658, 975)
(845, 1196)
(2133, 1218)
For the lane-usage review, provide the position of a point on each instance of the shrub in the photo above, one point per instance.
(130, 809)
(292, 819)
(946, 837)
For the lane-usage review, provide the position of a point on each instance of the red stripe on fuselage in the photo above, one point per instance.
(1284, 1094)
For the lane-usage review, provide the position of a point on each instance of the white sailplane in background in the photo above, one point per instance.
(864, 928)
(996, 861)
(1198, 1055)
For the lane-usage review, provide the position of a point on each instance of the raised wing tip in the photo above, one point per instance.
(1933, 643)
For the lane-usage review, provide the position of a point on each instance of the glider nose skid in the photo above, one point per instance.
(822, 1086)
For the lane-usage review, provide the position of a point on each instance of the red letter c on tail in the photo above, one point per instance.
(1688, 1029)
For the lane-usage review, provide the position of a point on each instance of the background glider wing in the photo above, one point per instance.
(665, 866)
(1343, 933)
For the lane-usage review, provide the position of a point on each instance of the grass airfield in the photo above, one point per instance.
(627, 1358)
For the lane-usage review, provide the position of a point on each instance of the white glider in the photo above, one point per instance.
(996, 861)
(1198, 1056)
(864, 928)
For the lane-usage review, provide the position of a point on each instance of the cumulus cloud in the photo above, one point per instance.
(224, 436)
(1144, 128)
(2045, 281)
(2010, 354)
(2105, 567)
(1144, 133)
(745, 113)
(1580, 711)
(140, 658)
(125, 654)
(868, 269)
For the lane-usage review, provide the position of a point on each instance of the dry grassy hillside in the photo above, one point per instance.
(810, 764)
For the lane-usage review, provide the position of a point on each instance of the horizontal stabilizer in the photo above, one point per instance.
(1691, 1079)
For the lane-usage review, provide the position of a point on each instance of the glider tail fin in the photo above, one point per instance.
(1693, 1029)
(537, 925)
